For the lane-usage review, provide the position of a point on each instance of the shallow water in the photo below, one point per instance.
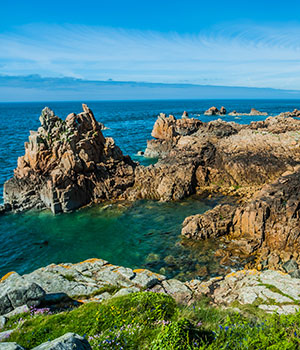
(143, 234)
(140, 234)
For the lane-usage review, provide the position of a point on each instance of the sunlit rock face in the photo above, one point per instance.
(68, 164)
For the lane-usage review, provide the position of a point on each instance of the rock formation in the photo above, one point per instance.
(259, 163)
(95, 280)
(214, 111)
(68, 164)
(219, 156)
(253, 112)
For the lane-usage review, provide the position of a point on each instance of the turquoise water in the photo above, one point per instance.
(140, 234)
(143, 234)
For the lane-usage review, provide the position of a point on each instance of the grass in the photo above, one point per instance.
(148, 320)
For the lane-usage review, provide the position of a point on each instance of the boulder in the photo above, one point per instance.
(185, 115)
(212, 111)
(10, 346)
(16, 291)
(69, 341)
(222, 111)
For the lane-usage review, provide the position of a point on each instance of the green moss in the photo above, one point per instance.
(70, 277)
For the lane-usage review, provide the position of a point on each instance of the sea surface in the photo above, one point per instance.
(141, 234)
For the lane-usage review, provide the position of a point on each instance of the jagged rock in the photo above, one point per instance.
(214, 223)
(215, 111)
(222, 111)
(212, 111)
(185, 115)
(16, 291)
(218, 156)
(69, 341)
(68, 164)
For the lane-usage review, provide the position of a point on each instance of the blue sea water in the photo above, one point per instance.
(142, 234)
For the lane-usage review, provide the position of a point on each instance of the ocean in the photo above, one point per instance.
(141, 234)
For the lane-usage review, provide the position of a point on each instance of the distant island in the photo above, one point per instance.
(37, 88)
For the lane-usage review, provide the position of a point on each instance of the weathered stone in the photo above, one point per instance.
(249, 286)
(10, 346)
(178, 290)
(69, 341)
(68, 164)
(16, 291)
(290, 266)
(126, 291)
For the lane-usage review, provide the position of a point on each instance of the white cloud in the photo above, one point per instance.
(240, 55)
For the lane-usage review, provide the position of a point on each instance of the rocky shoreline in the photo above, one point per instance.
(69, 164)
(67, 286)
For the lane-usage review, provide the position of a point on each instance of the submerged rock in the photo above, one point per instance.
(68, 164)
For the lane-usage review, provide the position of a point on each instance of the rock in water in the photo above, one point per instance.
(185, 115)
(68, 164)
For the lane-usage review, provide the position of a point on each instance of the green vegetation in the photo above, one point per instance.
(154, 321)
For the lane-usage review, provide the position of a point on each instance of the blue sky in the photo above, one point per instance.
(232, 43)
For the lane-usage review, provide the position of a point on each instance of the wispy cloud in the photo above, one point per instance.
(240, 55)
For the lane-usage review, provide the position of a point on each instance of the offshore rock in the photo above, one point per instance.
(214, 111)
(68, 164)
(253, 112)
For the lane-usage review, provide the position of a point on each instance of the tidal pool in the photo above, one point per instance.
(140, 234)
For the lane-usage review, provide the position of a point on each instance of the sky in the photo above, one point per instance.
(229, 43)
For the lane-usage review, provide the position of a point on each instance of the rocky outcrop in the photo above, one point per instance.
(215, 111)
(97, 280)
(195, 157)
(16, 291)
(68, 164)
(268, 224)
(259, 163)
(270, 291)
(214, 223)
(253, 112)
